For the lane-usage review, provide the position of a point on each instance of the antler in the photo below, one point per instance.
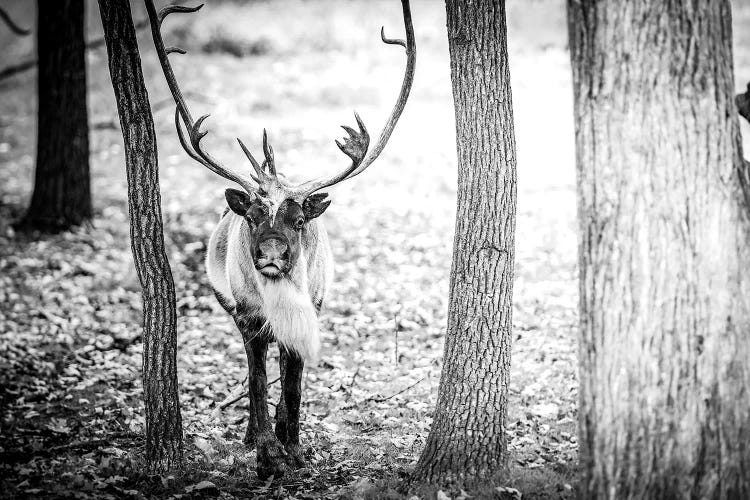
(356, 145)
(192, 143)
(12, 25)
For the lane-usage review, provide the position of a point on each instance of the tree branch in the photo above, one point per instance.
(24, 66)
(12, 25)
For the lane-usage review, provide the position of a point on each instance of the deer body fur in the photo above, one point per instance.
(289, 307)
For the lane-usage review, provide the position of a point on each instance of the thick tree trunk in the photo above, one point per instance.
(467, 439)
(664, 252)
(62, 193)
(163, 420)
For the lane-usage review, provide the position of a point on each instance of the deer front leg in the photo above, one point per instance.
(249, 328)
(272, 457)
(281, 407)
(291, 391)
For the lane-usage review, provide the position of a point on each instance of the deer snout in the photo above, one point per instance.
(272, 249)
(272, 256)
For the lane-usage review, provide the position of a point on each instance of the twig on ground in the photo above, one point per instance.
(397, 328)
(237, 394)
(354, 377)
(93, 443)
(396, 334)
(380, 399)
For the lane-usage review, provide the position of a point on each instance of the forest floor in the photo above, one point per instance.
(70, 311)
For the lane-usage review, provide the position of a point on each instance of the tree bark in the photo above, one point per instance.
(62, 193)
(664, 252)
(163, 419)
(467, 438)
(743, 104)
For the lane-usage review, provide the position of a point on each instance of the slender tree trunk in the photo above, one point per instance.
(163, 420)
(664, 252)
(467, 438)
(62, 194)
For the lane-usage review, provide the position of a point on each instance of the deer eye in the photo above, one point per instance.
(299, 223)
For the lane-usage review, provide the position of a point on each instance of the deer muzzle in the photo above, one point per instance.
(272, 258)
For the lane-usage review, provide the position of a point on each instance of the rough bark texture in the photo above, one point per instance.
(62, 194)
(467, 439)
(163, 419)
(664, 252)
(743, 104)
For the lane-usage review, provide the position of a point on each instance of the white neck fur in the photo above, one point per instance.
(290, 314)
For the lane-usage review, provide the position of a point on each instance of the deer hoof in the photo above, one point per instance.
(272, 459)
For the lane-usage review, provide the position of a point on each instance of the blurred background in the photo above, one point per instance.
(299, 68)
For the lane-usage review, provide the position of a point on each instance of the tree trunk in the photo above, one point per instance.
(467, 438)
(163, 420)
(664, 252)
(62, 193)
(743, 104)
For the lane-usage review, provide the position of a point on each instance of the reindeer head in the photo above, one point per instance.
(275, 228)
(276, 220)
(275, 210)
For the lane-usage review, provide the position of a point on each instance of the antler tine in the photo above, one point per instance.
(391, 41)
(169, 9)
(398, 108)
(356, 146)
(12, 25)
(268, 153)
(173, 49)
(192, 146)
(253, 161)
(185, 145)
(194, 133)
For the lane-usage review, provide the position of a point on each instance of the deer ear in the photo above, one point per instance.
(238, 201)
(314, 205)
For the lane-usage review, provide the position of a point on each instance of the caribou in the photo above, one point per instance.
(269, 260)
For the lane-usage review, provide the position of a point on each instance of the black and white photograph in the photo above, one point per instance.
(375, 249)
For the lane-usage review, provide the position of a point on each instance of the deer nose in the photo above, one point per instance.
(272, 249)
